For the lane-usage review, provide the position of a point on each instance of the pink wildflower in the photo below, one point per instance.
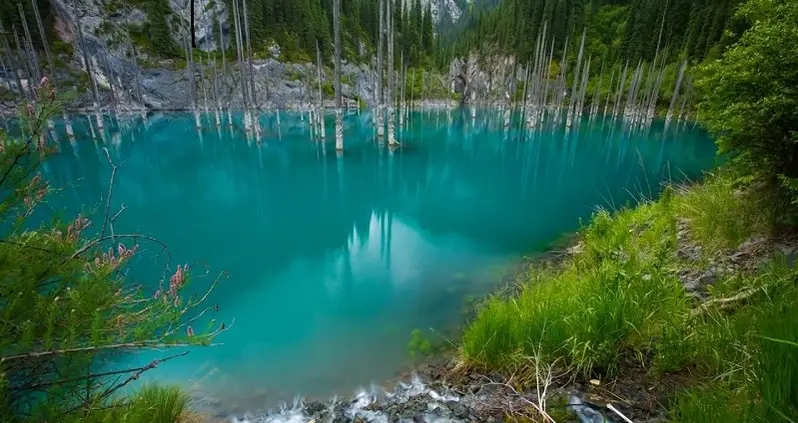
(31, 110)
(121, 250)
(44, 81)
(157, 294)
(190, 331)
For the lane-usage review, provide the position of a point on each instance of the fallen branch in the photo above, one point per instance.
(725, 302)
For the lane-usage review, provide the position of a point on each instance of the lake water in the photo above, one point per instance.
(333, 261)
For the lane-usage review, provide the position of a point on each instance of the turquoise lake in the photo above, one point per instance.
(334, 261)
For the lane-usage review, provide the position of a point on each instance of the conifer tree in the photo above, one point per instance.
(427, 31)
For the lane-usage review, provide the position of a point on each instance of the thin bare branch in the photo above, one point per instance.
(97, 241)
(107, 217)
(126, 345)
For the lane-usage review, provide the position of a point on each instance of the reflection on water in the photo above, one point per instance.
(333, 261)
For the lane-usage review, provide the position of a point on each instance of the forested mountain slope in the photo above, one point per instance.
(616, 30)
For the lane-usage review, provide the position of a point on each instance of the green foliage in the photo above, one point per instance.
(7, 95)
(750, 99)
(611, 299)
(150, 404)
(722, 214)
(751, 354)
(155, 404)
(716, 402)
(327, 89)
(69, 309)
(60, 48)
(617, 31)
(418, 345)
(154, 35)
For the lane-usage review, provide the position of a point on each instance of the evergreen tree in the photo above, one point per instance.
(426, 31)
(257, 25)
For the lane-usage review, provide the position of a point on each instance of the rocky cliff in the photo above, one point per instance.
(119, 65)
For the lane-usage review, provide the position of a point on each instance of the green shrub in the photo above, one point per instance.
(750, 100)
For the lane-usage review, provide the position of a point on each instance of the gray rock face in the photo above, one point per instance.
(165, 87)
(443, 10)
(206, 12)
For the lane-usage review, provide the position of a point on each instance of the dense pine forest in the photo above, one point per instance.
(616, 30)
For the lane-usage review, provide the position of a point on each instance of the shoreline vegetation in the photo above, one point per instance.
(688, 297)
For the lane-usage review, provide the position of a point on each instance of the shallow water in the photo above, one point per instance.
(333, 261)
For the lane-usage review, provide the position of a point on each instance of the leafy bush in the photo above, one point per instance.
(750, 96)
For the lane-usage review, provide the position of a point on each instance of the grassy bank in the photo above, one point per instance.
(621, 303)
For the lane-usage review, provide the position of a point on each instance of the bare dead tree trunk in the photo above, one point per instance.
(339, 125)
(87, 64)
(391, 82)
(380, 68)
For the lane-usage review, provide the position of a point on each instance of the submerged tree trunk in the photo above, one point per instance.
(380, 68)
(50, 64)
(252, 91)
(241, 73)
(339, 125)
(224, 76)
(574, 95)
(34, 59)
(675, 95)
(391, 82)
(320, 113)
(10, 61)
(87, 63)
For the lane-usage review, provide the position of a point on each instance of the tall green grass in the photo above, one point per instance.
(751, 359)
(722, 214)
(150, 404)
(157, 404)
(618, 300)
(611, 298)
